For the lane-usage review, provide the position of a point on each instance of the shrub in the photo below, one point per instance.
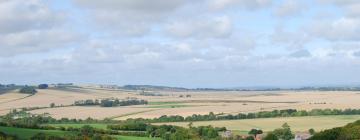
(28, 90)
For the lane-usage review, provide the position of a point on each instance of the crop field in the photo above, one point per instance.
(298, 124)
(174, 102)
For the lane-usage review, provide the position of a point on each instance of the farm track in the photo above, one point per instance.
(17, 99)
(230, 101)
(133, 113)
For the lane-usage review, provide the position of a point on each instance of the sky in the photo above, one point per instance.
(183, 43)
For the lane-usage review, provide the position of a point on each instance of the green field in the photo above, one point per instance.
(78, 125)
(135, 138)
(25, 134)
(269, 124)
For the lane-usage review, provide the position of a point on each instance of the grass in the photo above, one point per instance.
(25, 134)
(268, 124)
(78, 125)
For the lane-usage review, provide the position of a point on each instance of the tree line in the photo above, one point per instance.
(110, 102)
(262, 114)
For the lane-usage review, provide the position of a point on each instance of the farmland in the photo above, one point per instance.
(200, 102)
(298, 124)
(59, 104)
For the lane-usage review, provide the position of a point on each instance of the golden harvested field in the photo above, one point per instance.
(200, 102)
(298, 124)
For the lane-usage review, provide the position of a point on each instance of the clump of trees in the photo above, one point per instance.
(348, 132)
(143, 93)
(28, 90)
(43, 86)
(255, 132)
(52, 105)
(129, 126)
(187, 96)
(8, 87)
(110, 102)
(170, 132)
(283, 133)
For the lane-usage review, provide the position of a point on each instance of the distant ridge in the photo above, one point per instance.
(153, 87)
(168, 88)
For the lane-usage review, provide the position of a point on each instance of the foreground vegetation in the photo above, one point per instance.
(348, 132)
(33, 126)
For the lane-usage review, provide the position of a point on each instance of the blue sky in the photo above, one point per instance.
(204, 43)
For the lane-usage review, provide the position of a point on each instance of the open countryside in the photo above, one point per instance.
(179, 70)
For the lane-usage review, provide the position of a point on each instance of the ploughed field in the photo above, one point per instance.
(200, 102)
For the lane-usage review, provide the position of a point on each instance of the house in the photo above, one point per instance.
(226, 134)
(302, 136)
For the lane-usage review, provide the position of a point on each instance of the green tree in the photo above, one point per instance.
(43, 86)
(271, 136)
(255, 132)
(28, 90)
(311, 131)
(52, 105)
(87, 130)
(284, 133)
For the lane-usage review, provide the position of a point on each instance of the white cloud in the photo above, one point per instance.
(130, 17)
(247, 4)
(291, 39)
(18, 16)
(343, 29)
(218, 27)
(290, 8)
(357, 54)
(350, 7)
(35, 41)
(31, 26)
(301, 54)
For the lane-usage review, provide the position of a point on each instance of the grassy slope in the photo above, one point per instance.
(269, 124)
(25, 134)
(78, 125)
